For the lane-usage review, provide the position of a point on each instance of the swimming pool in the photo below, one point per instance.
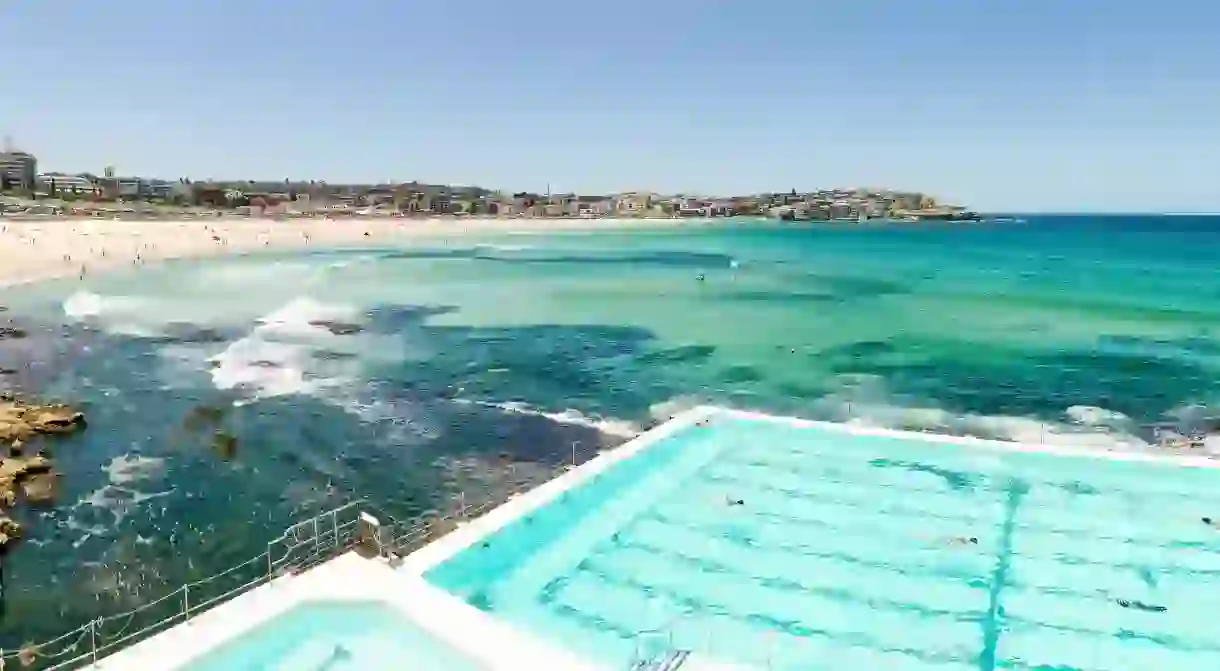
(863, 551)
(335, 636)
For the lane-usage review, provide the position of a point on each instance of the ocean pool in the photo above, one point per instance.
(335, 636)
(865, 551)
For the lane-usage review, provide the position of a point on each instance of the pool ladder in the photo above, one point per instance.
(667, 658)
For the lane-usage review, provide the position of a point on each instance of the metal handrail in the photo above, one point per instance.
(94, 640)
(323, 536)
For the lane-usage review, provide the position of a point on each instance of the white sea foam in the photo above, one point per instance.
(1092, 416)
(999, 427)
(864, 401)
(127, 315)
(608, 426)
(295, 317)
(273, 359)
(118, 501)
(84, 305)
(129, 468)
(667, 410)
(118, 498)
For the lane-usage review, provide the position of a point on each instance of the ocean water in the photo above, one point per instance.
(405, 375)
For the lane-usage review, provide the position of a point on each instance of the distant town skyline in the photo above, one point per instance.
(1032, 106)
(23, 187)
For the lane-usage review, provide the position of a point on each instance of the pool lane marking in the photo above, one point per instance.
(999, 577)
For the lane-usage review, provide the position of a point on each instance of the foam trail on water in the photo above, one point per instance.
(607, 426)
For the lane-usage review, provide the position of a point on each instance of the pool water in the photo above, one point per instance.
(854, 551)
(335, 636)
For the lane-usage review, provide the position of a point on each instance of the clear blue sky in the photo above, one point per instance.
(1000, 104)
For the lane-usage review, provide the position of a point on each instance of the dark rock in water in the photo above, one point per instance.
(10, 531)
(39, 488)
(186, 333)
(338, 328)
(331, 355)
(204, 416)
(12, 333)
(225, 445)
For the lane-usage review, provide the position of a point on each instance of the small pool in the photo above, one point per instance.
(335, 636)
(768, 544)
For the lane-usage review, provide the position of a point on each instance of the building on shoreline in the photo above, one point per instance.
(18, 170)
(404, 199)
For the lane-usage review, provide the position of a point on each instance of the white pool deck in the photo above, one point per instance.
(485, 640)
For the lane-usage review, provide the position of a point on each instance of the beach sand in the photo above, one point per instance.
(33, 250)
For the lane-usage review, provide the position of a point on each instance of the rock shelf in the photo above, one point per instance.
(25, 472)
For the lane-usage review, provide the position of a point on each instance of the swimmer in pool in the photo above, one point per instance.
(962, 540)
(734, 502)
(1211, 522)
(1140, 605)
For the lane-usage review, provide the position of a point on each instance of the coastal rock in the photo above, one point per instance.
(15, 470)
(338, 328)
(204, 416)
(10, 531)
(30, 475)
(224, 445)
(19, 422)
(40, 487)
(182, 333)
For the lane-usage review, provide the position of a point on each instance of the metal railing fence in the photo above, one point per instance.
(303, 545)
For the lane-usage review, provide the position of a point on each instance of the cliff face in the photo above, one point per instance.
(25, 472)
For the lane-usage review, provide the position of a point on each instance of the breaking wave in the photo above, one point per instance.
(607, 426)
(275, 358)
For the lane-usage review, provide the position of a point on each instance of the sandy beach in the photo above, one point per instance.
(33, 250)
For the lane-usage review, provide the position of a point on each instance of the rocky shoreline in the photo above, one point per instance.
(26, 472)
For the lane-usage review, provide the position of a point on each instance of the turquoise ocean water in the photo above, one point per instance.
(403, 375)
